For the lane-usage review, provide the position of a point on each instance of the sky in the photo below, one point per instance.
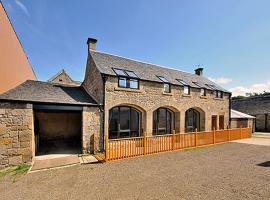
(230, 39)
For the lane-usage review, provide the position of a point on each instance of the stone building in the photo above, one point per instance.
(15, 67)
(119, 97)
(242, 120)
(257, 106)
(63, 78)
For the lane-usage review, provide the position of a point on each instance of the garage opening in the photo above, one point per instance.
(58, 132)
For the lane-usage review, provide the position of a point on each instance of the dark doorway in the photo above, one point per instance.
(58, 132)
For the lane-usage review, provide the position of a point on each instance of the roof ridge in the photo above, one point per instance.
(148, 63)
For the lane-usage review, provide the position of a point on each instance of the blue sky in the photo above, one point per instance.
(229, 38)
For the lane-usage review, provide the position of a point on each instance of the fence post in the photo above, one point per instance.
(106, 147)
(229, 134)
(214, 136)
(94, 142)
(144, 143)
(173, 140)
(196, 138)
(241, 132)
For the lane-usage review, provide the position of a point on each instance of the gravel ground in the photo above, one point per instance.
(227, 171)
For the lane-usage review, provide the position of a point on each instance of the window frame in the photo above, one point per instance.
(203, 92)
(188, 89)
(119, 131)
(156, 129)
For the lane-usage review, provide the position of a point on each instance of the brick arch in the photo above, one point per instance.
(201, 120)
(172, 108)
(137, 107)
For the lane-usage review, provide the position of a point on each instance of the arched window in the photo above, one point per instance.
(124, 122)
(163, 121)
(192, 120)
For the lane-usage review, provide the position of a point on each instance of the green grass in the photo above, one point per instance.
(15, 172)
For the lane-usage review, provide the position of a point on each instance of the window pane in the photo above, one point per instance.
(169, 122)
(131, 74)
(122, 82)
(124, 118)
(155, 123)
(162, 118)
(134, 84)
(119, 72)
(203, 92)
(186, 90)
(113, 123)
(166, 88)
(182, 82)
(135, 123)
(163, 79)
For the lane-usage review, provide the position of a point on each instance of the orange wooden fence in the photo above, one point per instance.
(137, 146)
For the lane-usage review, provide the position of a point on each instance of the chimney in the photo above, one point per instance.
(199, 71)
(92, 43)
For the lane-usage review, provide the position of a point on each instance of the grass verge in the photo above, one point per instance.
(15, 172)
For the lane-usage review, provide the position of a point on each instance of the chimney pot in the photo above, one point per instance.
(199, 71)
(92, 43)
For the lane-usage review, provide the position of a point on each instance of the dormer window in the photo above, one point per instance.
(186, 86)
(166, 84)
(127, 79)
(202, 89)
(219, 94)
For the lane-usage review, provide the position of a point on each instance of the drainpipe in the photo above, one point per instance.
(104, 79)
(230, 108)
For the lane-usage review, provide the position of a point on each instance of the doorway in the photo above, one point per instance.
(57, 132)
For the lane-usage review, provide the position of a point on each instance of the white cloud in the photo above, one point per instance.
(22, 7)
(221, 80)
(255, 88)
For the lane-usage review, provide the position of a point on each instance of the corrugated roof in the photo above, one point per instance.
(239, 115)
(37, 91)
(106, 62)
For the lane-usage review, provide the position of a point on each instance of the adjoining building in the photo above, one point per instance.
(15, 67)
(119, 97)
(242, 120)
(63, 78)
(257, 106)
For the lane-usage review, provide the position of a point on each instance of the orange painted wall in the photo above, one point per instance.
(14, 65)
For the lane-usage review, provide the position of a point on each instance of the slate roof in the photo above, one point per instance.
(145, 71)
(44, 92)
(239, 115)
(61, 72)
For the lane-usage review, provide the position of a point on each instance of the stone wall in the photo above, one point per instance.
(93, 82)
(258, 107)
(150, 96)
(16, 133)
(91, 122)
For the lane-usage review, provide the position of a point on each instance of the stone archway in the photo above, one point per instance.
(194, 120)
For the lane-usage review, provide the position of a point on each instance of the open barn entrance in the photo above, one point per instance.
(58, 131)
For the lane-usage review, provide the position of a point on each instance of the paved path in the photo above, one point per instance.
(255, 140)
(226, 171)
(53, 161)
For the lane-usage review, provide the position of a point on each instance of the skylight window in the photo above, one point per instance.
(182, 82)
(212, 87)
(122, 72)
(131, 74)
(119, 72)
(163, 79)
(198, 84)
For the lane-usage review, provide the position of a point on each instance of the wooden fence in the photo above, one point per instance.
(137, 146)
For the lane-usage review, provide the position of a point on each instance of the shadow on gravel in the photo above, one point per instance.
(264, 164)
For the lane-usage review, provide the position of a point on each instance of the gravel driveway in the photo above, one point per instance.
(227, 171)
